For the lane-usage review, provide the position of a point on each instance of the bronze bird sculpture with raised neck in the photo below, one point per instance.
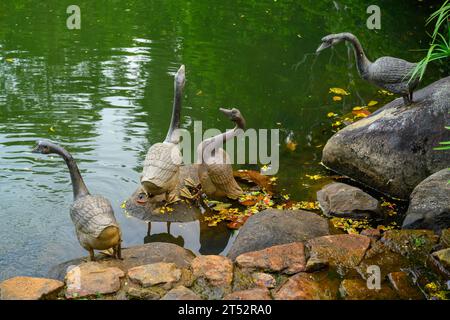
(162, 164)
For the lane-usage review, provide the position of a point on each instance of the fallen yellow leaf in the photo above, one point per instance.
(337, 98)
(339, 91)
(372, 103)
(331, 114)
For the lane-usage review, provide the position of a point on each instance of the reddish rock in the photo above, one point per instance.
(371, 233)
(346, 250)
(251, 294)
(286, 258)
(381, 256)
(217, 270)
(181, 293)
(28, 288)
(92, 278)
(357, 289)
(155, 273)
(264, 280)
(404, 287)
(305, 286)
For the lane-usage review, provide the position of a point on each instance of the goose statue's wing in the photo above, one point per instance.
(92, 214)
(391, 70)
(161, 163)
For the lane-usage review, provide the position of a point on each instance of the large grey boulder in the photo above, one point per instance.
(429, 207)
(273, 227)
(341, 200)
(392, 149)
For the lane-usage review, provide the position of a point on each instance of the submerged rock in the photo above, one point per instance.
(392, 149)
(251, 294)
(404, 286)
(28, 288)
(274, 227)
(413, 244)
(286, 258)
(429, 206)
(357, 289)
(341, 200)
(181, 293)
(134, 257)
(308, 286)
(381, 256)
(92, 278)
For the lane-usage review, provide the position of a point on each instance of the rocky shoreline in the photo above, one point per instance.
(335, 266)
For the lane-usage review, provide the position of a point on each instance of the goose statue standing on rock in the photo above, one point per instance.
(93, 216)
(162, 163)
(215, 170)
(391, 74)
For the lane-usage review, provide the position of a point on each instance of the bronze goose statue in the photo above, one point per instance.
(162, 163)
(93, 216)
(215, 171)
(391, 74)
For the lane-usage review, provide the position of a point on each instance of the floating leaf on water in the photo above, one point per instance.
(9, 59)
(337, 98)
(385, 92)
(314, 177)
(199, 93)
(51, 129)
(357, 108)
(331, 114)
(123, 205)
(339, 91)
(372, 103)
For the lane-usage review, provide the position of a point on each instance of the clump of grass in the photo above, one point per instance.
(440, 40)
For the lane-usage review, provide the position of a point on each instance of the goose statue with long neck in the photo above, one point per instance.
(391, 74)
(162, 164)
(93, 216)
(215, 170)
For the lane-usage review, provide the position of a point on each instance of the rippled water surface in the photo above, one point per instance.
(104, 92)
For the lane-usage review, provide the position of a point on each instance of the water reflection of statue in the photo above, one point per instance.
(213, 240)
(163, 237)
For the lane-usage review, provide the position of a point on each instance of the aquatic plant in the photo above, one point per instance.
(440, 40)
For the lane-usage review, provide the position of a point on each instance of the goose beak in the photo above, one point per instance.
(180, 76)
(227, 112)
(323, 46)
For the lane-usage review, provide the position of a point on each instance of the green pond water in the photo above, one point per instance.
(105, 92)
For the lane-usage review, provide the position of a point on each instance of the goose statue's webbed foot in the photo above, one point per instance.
(91, 255)
(408, 99)
(118, 252)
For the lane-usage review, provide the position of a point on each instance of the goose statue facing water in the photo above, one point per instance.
(391, 74)
(93, 216)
